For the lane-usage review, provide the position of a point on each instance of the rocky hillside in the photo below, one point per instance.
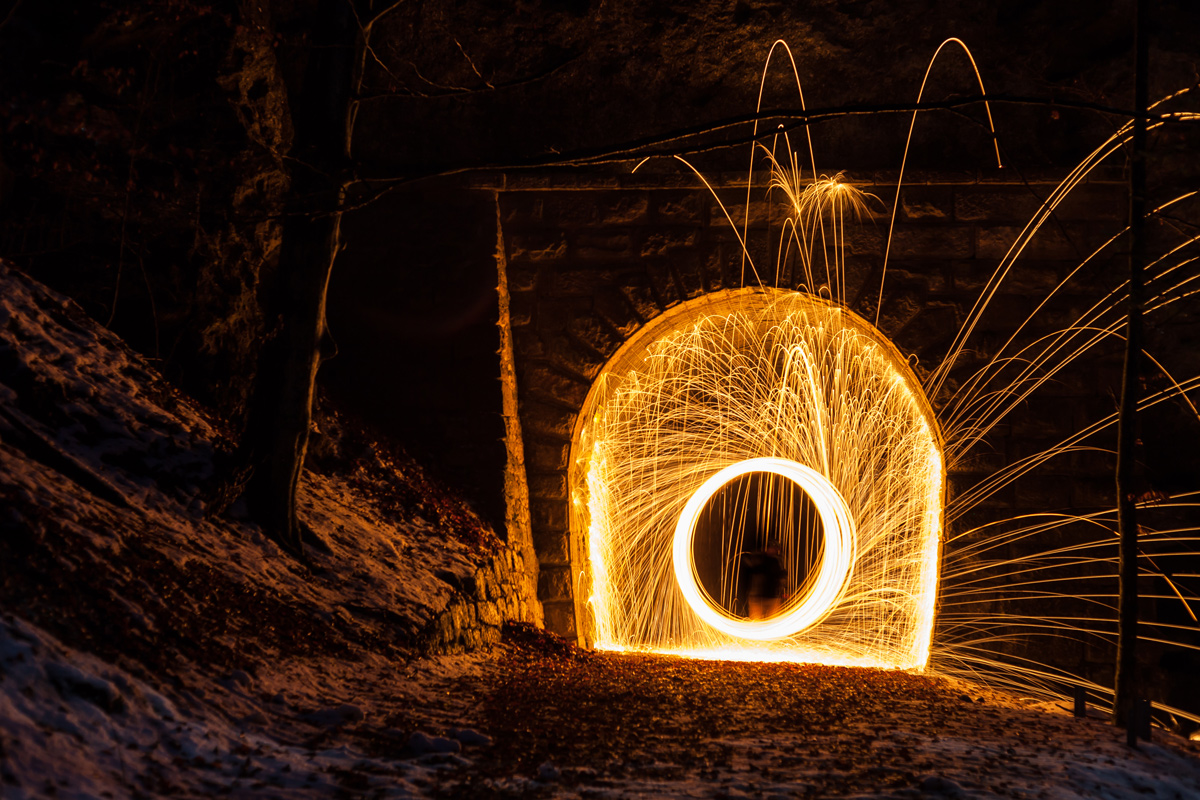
(199, 633)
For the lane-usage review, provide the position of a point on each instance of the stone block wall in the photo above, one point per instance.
(589, 259)
(494, 595)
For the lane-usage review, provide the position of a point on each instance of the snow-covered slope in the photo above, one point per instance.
(118, 590)
(100, 456)
(73, 726)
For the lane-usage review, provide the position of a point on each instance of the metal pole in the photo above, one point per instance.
(1127, 611)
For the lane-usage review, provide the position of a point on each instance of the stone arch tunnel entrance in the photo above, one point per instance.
(806, 404)
(589, 263)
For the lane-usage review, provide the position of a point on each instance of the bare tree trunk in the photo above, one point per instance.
(321, 173)
(1127, 612)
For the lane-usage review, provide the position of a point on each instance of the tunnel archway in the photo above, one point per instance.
(800, 392)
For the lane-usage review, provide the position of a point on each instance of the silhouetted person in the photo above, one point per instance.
(762, 576)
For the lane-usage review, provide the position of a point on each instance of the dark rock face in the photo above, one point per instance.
(500, 82)
(144, 151)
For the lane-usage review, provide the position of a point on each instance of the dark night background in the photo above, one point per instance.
(142, 168)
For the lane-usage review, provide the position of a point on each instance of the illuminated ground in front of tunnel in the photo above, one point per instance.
(785, 383)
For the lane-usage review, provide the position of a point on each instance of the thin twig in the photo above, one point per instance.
(11, 13)
(471, 64)
(364, 31)
(384, 12)
(461, 91)
(682, 139)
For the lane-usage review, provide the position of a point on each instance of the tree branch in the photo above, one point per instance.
(459, 91)
(384, 12)
(683, 141)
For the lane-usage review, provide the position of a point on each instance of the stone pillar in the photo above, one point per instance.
(516, 485)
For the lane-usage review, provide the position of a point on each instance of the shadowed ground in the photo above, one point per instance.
(569, 723)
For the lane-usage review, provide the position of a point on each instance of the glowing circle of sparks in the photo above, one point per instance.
(803, 392)
(831, 575)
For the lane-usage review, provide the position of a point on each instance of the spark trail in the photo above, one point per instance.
(777, 383)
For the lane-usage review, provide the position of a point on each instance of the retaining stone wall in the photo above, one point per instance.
(494, 595)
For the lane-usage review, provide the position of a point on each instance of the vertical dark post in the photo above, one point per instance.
(1080, 709)
(1127, 612)
(1145, 716)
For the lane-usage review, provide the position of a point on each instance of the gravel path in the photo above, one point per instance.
(567, 723)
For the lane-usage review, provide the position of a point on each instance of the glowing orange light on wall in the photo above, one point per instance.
(761, 381)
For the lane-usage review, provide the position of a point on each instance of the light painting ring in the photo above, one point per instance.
(831, 577)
